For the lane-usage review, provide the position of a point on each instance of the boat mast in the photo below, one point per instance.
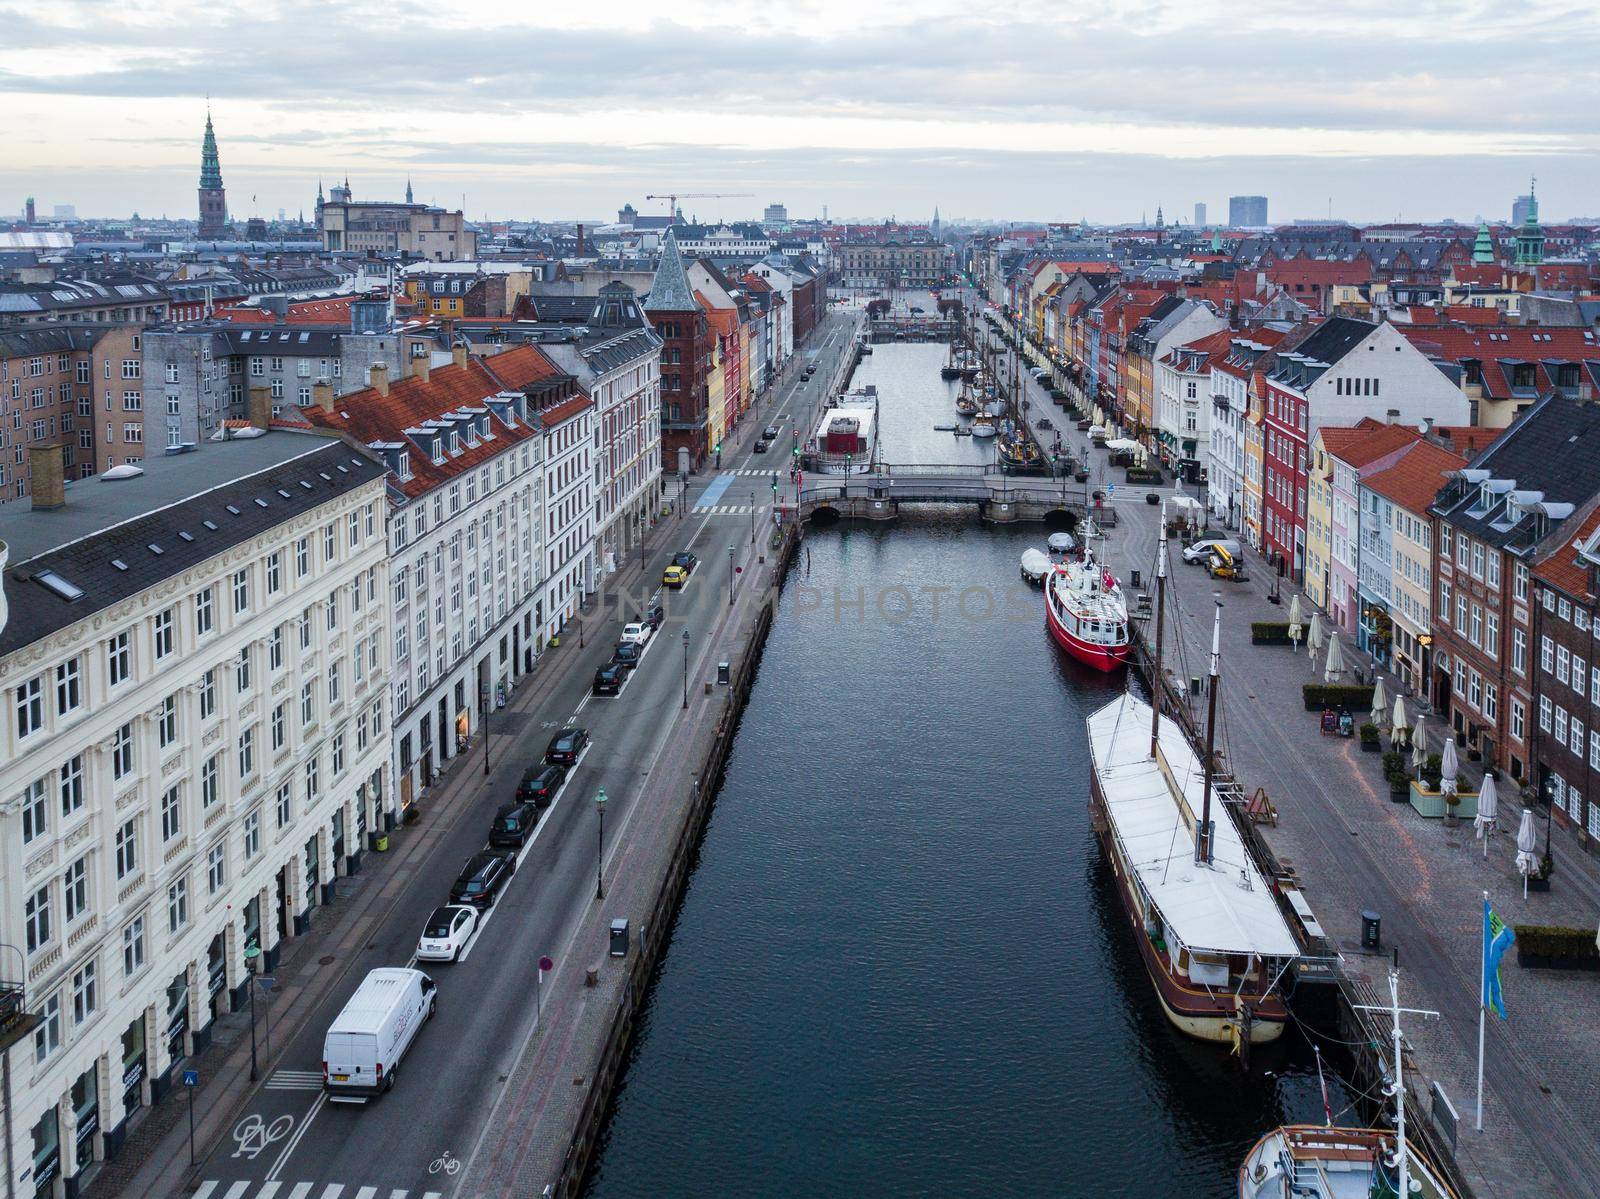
(1202, 840)
(1158, 680)
(1403, 1165)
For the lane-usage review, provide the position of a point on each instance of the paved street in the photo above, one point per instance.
(287, 1137)
(1354, 849)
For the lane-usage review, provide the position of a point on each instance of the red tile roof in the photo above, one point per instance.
(1365, 441)
(335, 310)
(370, 417)
(1562, 568)
(1416, 478)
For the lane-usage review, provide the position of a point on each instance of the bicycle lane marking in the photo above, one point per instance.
(305, 1124)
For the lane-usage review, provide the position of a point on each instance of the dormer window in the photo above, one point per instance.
(455, 442)
(438, 449)
(402, 464)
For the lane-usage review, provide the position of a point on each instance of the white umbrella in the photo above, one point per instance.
(1121, 445)
(1380, 704)
(1315, 633)
(1449, 766)
(1419, 748)
(1527, 863)
(1399, 718)
(1296, 621)
(1335, 666)
(1488, 804)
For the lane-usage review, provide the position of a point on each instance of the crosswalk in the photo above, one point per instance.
(726, 509)
(753, 472)
(212, 1189)
(295, 1080)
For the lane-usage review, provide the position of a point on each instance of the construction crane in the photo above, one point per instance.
(672, 198)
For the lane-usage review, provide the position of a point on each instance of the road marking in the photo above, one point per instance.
(237, 1189)
(253, 1134)
(332, 1191)
(301, 1190)
(582, 704)
(366, 1193)
(205, 1189)
(268, 1190)
(305, 1123)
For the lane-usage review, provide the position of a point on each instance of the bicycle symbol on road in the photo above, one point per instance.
(253, 1134)
(446, 1163)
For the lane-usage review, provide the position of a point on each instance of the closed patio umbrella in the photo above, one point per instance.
(1335, 666)
(1296, 621)
(1380, 704)
(1527, 862)
(1488, 805)
(1449, 766)
(1401, 723)
(1315, 633)
(1419, 749)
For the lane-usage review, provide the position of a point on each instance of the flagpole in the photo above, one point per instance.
(1483, 1001)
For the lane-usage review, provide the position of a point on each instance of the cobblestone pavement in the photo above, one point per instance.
(1354, 849)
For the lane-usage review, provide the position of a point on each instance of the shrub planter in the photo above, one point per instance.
(1330, 695)
(1555, 948)
(1270, 632)
(1371, 747)
(1425, 801)
(1535, 883)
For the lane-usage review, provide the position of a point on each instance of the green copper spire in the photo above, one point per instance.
(210, 165)
(1483, 248)
(1530, 238)
(1216, 241)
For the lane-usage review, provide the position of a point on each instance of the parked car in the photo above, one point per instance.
(770, 432)
(567, 746)
(608, 679)
(636, 631)
(483, 878)
(1198, 553)
(762, 445)
(513, 825)
(655, 612)
(627, 654)
(446, 933)
(364, 1045)
(679, 569)
(540, 784)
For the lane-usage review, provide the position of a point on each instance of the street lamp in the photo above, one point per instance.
(483, 703)
(730, 576)
(600, 862)
(251, 953)
(686, 669)
(752, 518)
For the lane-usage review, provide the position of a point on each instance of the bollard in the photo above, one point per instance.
(591, 976)
(1371, 930)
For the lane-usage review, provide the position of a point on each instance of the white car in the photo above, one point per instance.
(447, 932)
(1199, 552)
(636, 632)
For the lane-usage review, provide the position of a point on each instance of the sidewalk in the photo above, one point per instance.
(1352, 849)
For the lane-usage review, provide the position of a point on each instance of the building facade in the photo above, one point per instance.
(1566, 740)
(194, 743)
(382, 227)
(687, 346)
(892, 264)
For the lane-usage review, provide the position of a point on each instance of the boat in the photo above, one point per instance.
(846, 438)
(963, 432)
(1086, 614)
(951, 368)
(1310, 1161)
(983, 428)
(1061, 543)
(1208, 927)
(1035, 565)
(1018, 452)
(966, 405)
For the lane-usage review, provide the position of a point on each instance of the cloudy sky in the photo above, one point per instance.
(1005, 108)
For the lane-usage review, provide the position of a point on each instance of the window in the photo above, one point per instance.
(217, 868)
(1518, 721)
(1547, 654)
(285, 804)
(164, 638)
(204, 612)
(329, 543)
(1519, 651)
(1477, 625)
(247, 752)
(171, 813)
(1594, 748)
(36, 919)
(1475, 690)
(68, 687)
(305, 629)
(302, 557)
(1563, 663)
(332, 611)
(338, 754)
(133, 947)
(1561, 725)
(75, 890)
(275, 648)
(35, 813)
(1575, 742)
(208, 694)
(241, 671)
(1461, 550)
(30, 706)
(1549, 599)
(72, 786)
(353, 522)
(122, 752)
(313, 780)
(47, 1037)
(178, 905)
(241, 591)
(278, 726)
(308, 704)
(1477, 559)
(119, 658)
(274, 573)
(1519, 581)
(1544, 713)
(333, 685)
(85, 992)
(1580, 673)
(1461, 614)
(210, 779)
(1491, 573)
(1563, 608)
(1491, 701)
(252, 835)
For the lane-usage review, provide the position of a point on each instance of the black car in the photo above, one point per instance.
(566, 746)
(513, 825)
(655, 612)
(483, 878)
(608, 679)
(770, 432)
(627, 654)
(762, 444)
(540, 784)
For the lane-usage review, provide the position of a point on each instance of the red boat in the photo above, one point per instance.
(1086, 614)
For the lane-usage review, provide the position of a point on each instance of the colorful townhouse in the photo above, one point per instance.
(1566, 739)
(1235, 375)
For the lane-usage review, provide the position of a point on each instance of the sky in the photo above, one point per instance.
(1010, 109)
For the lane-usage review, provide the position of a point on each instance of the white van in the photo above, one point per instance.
(363, 1048)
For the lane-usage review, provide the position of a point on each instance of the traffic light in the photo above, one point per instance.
(774, 482)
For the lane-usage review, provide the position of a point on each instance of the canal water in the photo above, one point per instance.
(900, 968)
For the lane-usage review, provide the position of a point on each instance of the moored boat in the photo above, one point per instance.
(983, 428)
(1309, 1161)
(1036, 565)
(1086, 614)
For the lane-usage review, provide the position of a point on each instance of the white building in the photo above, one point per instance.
(571, 476)
(193, 737)
(1183, 401)
(616, 359)
(463, 449)
(780, 276)
(1231, 380)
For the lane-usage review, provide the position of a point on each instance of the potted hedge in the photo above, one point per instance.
(1399, 786)
(1539, 880)
(1371, 742)
(1555, 948)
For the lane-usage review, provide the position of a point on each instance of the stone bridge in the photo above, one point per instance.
(998, 498)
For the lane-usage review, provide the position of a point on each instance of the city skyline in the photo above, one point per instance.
(871, 116)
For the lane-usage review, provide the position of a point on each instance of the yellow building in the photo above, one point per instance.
(1319, 523)
(1254, 459)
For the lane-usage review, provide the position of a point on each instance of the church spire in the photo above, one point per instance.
(213, 200)
(1530, 237)
(408, 190)
(210, 164)
(1483, 247)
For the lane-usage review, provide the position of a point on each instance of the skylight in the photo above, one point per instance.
(185, 535)
(155, 549)
(233, 509)
(210, 524)
(67, 591)
(119, 564)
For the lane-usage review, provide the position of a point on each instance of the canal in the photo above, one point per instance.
(900, 968)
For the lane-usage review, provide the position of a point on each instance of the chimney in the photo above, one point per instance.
(459, 353)
(378, 377)
(421, 364)
(580, 240)
(46, 481)
(259, 407)
(322, 395)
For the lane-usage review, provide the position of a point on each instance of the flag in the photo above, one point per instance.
(1497, 938)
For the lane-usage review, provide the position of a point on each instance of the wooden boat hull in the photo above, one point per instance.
(1203, 1015)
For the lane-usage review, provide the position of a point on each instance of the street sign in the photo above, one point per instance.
(546, 964)
(191, 1078)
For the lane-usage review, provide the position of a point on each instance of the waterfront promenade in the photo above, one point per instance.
(1353, 849)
